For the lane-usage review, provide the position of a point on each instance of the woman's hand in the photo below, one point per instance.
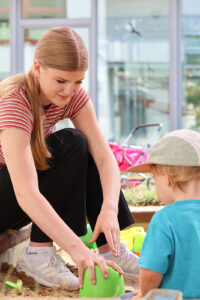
(107, 222)
(85, 258)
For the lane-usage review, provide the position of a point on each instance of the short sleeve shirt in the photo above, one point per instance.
(172, 247)
(15, 112)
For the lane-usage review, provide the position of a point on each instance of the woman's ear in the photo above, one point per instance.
(36, 68)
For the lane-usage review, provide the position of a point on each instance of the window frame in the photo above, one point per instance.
(17, 26)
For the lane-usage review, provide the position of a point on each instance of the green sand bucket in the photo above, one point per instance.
(113, 286)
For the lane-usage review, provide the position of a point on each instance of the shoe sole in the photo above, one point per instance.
(44, 282)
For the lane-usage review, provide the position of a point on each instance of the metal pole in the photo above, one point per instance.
(16, 38)
(175, 82)
(93, 55)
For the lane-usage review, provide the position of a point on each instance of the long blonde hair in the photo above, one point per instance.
(59, 48)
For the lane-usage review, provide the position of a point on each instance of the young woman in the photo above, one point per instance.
(56, 179)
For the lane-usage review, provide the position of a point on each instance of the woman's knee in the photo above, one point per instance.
(76, 139)
(79, 139)
(67, 142)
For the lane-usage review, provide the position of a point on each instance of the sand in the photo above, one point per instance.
(31, 288)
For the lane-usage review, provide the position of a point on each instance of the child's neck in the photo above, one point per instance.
(190, 190)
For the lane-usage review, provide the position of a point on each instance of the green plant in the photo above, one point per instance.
(192, 98)
(141, 195)
(192, 94)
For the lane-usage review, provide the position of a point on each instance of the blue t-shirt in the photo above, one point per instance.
(172, 247)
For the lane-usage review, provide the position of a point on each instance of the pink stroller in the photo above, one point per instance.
(129, 155)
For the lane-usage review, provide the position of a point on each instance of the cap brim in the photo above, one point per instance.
(143, 168)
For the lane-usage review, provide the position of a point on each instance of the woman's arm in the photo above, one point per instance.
(149, 280)
(18, 157)
(109, 173)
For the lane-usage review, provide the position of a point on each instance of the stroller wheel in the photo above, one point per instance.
(125, 183)
(150, 183)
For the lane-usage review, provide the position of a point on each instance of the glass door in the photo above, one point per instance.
(133, 64)
(191, 65)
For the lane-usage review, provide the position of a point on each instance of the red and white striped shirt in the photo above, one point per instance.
(15, 112)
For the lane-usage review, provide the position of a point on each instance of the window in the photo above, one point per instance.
(4, 39)
(133, 65)
(55, 9)
(191, 65)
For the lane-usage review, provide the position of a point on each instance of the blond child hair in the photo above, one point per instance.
(178, 175)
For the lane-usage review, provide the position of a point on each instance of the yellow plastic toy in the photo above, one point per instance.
(133, 238)
(138, 238)
(126, 236)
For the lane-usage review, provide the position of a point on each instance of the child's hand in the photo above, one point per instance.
(137, 294)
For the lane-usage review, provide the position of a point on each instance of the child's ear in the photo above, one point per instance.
(168, 183)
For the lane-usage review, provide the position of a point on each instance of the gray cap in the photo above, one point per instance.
(177, 148)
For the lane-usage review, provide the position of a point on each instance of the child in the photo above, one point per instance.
(171, 251)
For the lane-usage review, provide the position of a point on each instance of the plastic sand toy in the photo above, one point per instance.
(113, 286)
(87, 237)
(138, 238)
(126, 236)
(18, 286)
(133, 238)
(164, 294)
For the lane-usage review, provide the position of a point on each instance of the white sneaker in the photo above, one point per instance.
(46, 267)
(127, 260)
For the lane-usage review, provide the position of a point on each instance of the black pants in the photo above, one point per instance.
(72, 186)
